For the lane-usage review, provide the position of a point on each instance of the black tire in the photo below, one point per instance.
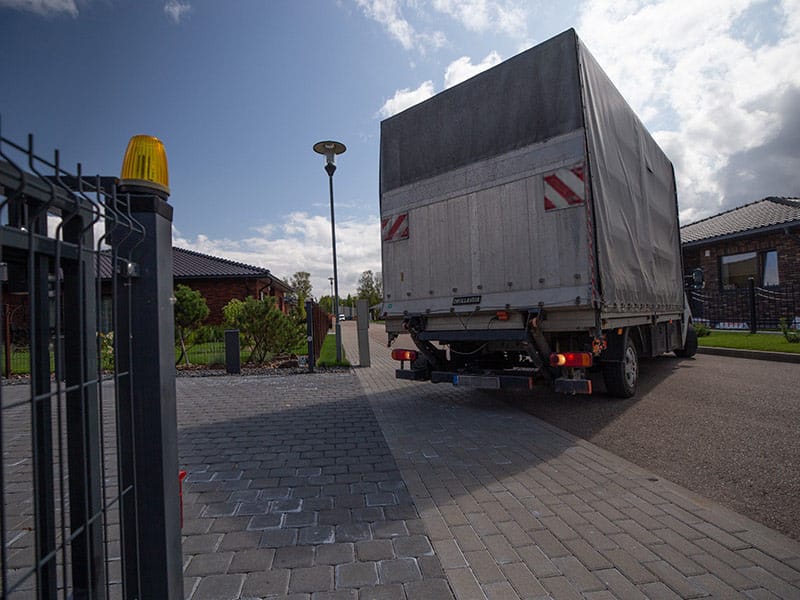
(622, 377)
(690, 347)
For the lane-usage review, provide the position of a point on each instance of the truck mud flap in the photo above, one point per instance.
(411, 374)
(563, 385)
(487, 382)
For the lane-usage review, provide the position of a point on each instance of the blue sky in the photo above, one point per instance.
(240, 90)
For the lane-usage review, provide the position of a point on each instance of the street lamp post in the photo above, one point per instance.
(329, 150)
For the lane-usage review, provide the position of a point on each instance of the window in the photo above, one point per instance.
(737, 269)
(769, 268)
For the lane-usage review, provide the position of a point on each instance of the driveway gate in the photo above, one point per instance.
(88, 484)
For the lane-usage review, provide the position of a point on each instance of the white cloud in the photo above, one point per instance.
(406, 98)
(389, 14)
(711, 90)
(462, 69)
(43, 7)
(503, 16)
(176, 10)
(302, 242)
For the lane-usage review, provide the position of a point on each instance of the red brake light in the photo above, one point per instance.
(571, 359)
(502, 315)
(399, 354)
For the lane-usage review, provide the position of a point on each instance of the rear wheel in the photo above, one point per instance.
(622, 376)
(690, 347)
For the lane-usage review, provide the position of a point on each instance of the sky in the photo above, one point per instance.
(240, 90)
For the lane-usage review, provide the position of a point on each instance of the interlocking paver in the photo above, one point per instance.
(208, 564)
(294, 556)
(253, 560)
(311, 579)
(357, 575)
(334, 554)
(399, 570)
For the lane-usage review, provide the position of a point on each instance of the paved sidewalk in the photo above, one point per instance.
(356, 485)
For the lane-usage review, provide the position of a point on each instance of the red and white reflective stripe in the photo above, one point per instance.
(394, 228)
(564, 188)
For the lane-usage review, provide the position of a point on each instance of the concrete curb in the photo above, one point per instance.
(787, 357)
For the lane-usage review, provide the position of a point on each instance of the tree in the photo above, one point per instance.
(191, 310)
(265, 329)
(301, 282)
(326, 304)
(369, 287)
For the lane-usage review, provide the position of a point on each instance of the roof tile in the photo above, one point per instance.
(751, 217)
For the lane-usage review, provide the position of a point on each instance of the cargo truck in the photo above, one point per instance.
(530, 231)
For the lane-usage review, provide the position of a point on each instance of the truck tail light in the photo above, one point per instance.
(571, 359)
(502, 315)
(399, 354)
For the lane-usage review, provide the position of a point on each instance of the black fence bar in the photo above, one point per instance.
(84, 428)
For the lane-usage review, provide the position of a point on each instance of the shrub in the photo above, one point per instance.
(190, 311)
(206, 333)
(790, 333)
(701, 329)
(107, 351)
(264, 328)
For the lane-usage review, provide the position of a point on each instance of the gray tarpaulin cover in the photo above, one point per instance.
(553, 89)
(634, 198)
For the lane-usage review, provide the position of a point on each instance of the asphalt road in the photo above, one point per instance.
(726, 428)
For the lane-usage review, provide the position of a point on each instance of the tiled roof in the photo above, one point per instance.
(767, 213)
(191, 264)
(188, 264)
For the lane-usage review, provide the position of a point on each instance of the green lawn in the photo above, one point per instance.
(327, 356)
(742, 340)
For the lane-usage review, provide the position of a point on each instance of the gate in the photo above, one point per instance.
(88, 484)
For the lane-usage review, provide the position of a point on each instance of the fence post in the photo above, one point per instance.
(150, 453)
(310, 335)
(233, 356)
(362, 320)
(751, 297)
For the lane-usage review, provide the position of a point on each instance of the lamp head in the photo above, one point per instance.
(329, 150)
(145, 165)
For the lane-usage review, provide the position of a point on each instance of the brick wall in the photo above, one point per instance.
(218, 292)
(787, 246)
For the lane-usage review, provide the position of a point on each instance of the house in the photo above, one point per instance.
(760, 240)
(219, 280)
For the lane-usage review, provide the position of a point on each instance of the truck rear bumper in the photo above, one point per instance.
(411, 374)
(487, 382)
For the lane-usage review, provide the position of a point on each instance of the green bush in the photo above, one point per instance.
(701, 330)
(106, 351)
(790, 333)
(264, 329)
(206, 334)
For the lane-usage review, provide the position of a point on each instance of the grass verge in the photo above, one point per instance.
(742, 340)
(327, 356)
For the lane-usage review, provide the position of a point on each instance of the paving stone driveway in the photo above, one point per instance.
(292, 491)
(356, 485)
